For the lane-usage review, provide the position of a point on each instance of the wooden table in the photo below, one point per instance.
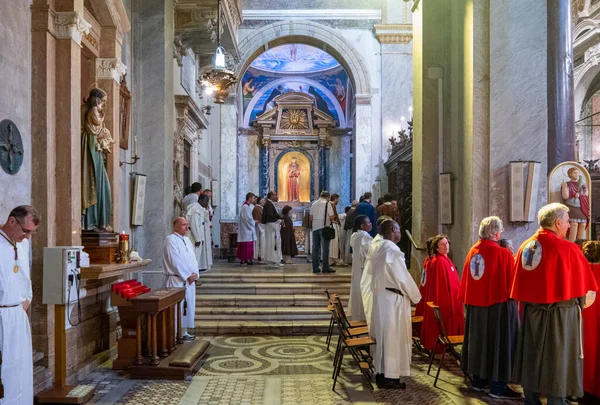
(159, 306)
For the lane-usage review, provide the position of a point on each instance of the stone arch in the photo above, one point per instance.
(310, 33)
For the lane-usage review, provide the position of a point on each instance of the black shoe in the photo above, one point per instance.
(506, 393)
(389, 383)
(329, 271)
(250, 263)
(572, 400)
(316, 272)
(202, 270)
(480, 385)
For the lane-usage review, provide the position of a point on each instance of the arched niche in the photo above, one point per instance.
(307, 180)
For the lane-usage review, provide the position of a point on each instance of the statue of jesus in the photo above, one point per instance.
(293, 189)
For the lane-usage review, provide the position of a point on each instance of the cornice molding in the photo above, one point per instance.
(393, 33)
(70, 24)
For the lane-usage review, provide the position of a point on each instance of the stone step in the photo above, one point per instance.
(277, 328)
(264, 300)
(272, 288)
(266, 277)
(262, 313)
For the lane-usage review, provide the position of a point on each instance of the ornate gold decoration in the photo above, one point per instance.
(294, 119)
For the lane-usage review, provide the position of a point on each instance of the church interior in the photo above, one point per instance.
(113, 109)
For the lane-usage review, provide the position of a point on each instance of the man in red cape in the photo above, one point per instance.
(591, 326)
(551, 279)
(492, 317)
(441, 288)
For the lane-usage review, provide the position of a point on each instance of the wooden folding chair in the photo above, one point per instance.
(448, 343)
(332, 321)
(416, 336)
(357, 346)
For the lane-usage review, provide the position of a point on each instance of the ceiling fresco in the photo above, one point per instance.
(296, 67)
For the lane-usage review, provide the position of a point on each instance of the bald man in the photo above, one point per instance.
(180, 269)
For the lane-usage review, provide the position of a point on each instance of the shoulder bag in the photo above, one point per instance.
(328, 231)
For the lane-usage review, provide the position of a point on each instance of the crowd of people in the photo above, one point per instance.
(526, 318)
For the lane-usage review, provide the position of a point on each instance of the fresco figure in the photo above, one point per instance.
(320, 101)
(270, 103)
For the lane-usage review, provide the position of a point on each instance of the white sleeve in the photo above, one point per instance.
(195, 220)
(176, 260)
(403, 280)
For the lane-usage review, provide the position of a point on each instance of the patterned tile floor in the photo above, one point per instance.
(273, 370)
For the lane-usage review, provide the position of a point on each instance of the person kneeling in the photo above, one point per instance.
(390, 320)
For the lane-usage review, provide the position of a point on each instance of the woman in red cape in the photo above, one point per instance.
(441, 287)
(591, 327)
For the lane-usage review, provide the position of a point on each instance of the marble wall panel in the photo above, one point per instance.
(242, 157)
(335, 162)
(229, 161)
(253, 164)
(396, 98)
(15, 82)
(154, 121)
(518, 100)
(363, 149)
(346, 186)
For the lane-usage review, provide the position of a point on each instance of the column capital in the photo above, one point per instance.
(393, 33)
(70, 24)
(110, 68)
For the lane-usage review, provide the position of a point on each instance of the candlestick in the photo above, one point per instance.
(135, 145)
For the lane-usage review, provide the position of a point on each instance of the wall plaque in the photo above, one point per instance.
(11, 147)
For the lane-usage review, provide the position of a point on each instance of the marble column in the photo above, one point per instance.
(363, 161)
(263, 170)
(229, 161)
(345, 172)
(323, 168)
(561, 119)
(154, 122)
(242, 162)
(56, 144)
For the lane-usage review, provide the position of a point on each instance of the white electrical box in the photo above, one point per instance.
(59, 263)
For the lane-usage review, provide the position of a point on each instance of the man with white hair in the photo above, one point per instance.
(492, 319)
(551, 279)
(180, 269)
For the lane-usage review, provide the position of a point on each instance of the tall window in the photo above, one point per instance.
(187, 155)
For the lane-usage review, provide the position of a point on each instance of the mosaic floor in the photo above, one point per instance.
(273, 370)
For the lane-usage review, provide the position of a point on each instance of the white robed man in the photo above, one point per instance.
(192, 197)
(348, 230)
(180, 269)
(272, 222)
(15, 298)
(367, 273)
(393, 291)
(247, 232)
(360, 242)
(199, 233)
(259, 242)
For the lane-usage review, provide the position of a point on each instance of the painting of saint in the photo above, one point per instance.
(294, 181)
(248, 89)
(532, 254)
(575, 196)
(340, 93)
(477, 266)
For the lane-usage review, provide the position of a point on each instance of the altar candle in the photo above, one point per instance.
(135, 145)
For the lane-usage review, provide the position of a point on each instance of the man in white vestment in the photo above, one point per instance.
(15, 298)
(335, 253)
(246, 232)
(367, 273)
(196, 217)
(180, 269)
(360, 242)
(272, 221)
(393, 291)
(259, 243)
(192, 197)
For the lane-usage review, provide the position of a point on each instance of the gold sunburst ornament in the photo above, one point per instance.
(294, 119)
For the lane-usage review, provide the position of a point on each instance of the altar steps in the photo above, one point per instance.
(231, 299)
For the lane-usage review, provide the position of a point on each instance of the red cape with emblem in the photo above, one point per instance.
(487, 278)
(591, 342)
(558, 270)
(420, 308)
(441, 288)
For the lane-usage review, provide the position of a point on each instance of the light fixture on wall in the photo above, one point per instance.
(219, 78)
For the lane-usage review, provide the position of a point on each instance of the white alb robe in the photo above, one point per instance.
(367, 278)
(360, 242)
(347, 253)
(259, 242)
(15, 332)
(391, 324)
(179, 263)
(273, 242)
(247, 230)
(208, 236)
(197, 218)
(188, 200)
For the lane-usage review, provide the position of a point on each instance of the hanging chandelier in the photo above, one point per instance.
(218, 79)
